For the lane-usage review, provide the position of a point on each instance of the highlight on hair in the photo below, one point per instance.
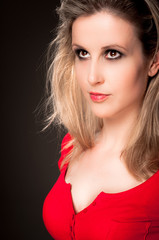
(66, 104)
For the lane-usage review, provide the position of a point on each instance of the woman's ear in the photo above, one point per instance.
(154, 65)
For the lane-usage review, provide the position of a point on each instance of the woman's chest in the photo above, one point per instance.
(108, 216)
(88, 181)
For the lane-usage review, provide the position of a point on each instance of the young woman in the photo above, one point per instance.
(105, 91)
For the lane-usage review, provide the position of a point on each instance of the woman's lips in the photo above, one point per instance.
(98, 97)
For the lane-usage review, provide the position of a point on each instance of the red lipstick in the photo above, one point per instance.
(98, 97)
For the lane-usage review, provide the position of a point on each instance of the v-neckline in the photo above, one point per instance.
(64, 170)
(102, 193)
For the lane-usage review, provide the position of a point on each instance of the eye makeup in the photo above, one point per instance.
(109, 54)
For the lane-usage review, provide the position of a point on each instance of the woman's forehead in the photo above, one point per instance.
(102, 29)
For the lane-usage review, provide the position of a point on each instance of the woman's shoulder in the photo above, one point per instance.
(65, 148)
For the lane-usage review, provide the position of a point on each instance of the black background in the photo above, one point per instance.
(29, 157)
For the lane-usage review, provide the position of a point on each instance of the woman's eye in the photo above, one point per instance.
(109, 54)
(82, 54)
(113, 54)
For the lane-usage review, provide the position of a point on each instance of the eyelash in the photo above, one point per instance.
(77, 52)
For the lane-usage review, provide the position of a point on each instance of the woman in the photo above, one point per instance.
(105, 91)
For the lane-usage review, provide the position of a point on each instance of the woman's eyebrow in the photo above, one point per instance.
(76, 45)
(114, 46)
(111, 46)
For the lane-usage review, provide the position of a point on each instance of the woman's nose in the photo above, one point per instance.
(95, 73)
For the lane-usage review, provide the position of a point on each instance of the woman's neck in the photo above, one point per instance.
(116, 132)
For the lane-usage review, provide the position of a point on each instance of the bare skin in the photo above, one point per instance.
(97, 171)
(121, 73)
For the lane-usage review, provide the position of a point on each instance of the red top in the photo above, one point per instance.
(128, 215)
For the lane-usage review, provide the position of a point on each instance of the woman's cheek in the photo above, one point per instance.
(81, 76)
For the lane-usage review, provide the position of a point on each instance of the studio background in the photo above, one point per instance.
(29, 157)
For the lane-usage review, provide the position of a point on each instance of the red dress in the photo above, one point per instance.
(128, 215)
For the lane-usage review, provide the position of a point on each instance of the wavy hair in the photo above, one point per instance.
(66, 105)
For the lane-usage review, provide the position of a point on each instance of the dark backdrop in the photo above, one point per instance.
(29, 158)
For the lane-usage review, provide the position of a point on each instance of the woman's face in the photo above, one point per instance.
(109, 64)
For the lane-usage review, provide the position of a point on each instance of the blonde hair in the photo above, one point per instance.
(66, 105)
